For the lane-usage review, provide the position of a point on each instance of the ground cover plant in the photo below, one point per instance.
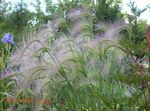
(78, 61)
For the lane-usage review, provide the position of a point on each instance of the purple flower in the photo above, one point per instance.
(8, 38)
(6, 71)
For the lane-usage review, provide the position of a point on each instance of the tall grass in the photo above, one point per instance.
(82, 69)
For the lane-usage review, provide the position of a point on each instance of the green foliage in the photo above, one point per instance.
(15, 21)
(108, 10)
(137, 26)
(50, 8)
(134, 39)
(135, 11)
(5, 85)
(20, 17)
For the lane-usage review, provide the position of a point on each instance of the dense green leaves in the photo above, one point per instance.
(108, 10)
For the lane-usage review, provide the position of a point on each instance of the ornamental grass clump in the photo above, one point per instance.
(74, 66)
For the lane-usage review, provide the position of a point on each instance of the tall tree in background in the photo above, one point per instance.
(50, 7)
(3, 10)
(136, 24)
(20, 16)
(108, 10)
(135, 40)
(15, 19)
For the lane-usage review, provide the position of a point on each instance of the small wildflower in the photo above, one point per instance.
(8, 38)
(7, 71)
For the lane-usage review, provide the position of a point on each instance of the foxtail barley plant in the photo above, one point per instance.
(81, 69)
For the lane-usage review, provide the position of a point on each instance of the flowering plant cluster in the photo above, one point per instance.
(8, 38)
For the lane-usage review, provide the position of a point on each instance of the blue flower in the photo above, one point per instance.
(6, 71)
(8, 38)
